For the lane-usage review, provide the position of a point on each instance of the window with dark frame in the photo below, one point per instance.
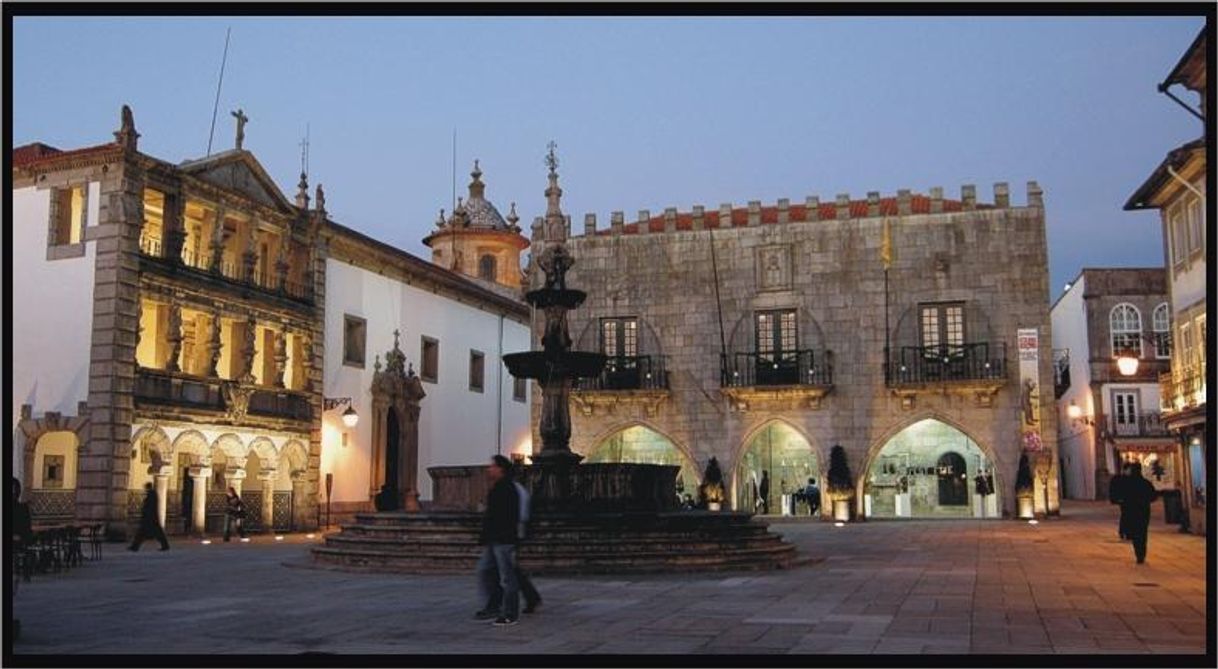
(776, 333)
(477, 365)
(430, 371)
(1125, 328)
(519, 389)
(942, 328)
(487, 267)
(1161, 322)
(620, 337)
(355, 334)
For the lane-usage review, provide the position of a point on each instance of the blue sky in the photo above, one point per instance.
(647, 113)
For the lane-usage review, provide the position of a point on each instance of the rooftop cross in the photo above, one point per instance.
(241, 121)
(551, 157)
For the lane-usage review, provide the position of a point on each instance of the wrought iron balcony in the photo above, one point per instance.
(629, 372)
(981, 361)
(779, 368)
(1143, 425)
(162, 389)
(233, 271)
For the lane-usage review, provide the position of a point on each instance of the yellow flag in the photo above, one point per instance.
(886, 245)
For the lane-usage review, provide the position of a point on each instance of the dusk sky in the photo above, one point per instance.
(647, 113)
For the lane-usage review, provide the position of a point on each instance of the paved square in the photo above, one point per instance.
(1063, 586)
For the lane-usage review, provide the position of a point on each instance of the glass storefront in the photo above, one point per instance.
(641, 445)
(930, 470)
(1196, 460)
(779, 461)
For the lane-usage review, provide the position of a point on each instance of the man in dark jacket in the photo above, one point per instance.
(500, 527)
(1137, 494)
(1116, 491)
(150, 523)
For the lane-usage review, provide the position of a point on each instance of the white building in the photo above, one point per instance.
(1106, 417)
(187, 325)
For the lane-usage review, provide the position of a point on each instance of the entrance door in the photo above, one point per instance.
(393, 440)
(953, 480)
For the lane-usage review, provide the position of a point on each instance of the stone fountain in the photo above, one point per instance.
(604, 517)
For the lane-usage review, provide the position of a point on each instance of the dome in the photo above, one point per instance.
(478, 212)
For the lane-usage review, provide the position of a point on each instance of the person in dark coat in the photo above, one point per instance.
(188, 499)
(150, 523)
(764, 491)
(1136, 497)
(1116, 492)
(499, 536)
(23, 526)
(528, 591)
(234, 514)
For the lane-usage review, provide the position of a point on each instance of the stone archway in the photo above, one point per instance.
(32, 429)
(787, 452)
(396, 392)
(642, 443)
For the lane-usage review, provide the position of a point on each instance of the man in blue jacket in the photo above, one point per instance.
(500, 534)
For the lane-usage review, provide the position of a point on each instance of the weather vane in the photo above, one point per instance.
(551, 158)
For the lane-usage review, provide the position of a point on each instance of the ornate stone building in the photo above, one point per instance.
(912, 330)
(189, 326)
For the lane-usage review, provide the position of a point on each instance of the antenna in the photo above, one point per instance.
(454, 201)
(304, 152)
(216, 107)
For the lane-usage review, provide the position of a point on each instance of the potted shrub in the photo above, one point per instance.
(841, 484)
(711, 493)
(1023, 488)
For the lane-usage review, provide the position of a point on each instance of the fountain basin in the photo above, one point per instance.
(555, 297)
(541, 365)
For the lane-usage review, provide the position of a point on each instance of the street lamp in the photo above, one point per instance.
(1074, 411)
(350, 417)
(1127, 364)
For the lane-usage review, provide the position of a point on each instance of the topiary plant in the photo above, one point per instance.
(841, 483)
(711, 490)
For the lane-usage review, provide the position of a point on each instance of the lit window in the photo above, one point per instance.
(1125, 325)
(1161, 320)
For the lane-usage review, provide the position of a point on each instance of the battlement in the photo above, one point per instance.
(841, 207)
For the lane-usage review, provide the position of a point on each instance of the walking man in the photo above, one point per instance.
(532, 598)
(1137, 495)
(150, 523)
(234, 514)
(1116, 492)
(765, 493)
(500, 534)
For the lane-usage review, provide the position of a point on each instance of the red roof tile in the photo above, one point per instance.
(31, 154)
(919, 204)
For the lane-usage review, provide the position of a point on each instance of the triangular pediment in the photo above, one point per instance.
(238, 171)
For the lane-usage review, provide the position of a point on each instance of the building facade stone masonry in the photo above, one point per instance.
(821, 263)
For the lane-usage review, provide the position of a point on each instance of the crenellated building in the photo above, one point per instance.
(913, 330)
(187, 325)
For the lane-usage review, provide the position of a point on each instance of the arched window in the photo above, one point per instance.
(486, 267)
(1125, 324)
(1161, 322)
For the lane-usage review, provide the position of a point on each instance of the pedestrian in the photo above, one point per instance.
(234, 514)
(1116, 490)
(1136, 497)
(499, 536)
(764, 492)
(150, 522)
(188, 499)
(22, 536)
(532, 598)
(812, 495)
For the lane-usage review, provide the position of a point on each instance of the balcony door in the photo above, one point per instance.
(776, 357)
(620, 344)
(942, 326)
(1125, 413)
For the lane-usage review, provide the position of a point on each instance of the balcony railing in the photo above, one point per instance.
(1186, 392)
(1142, 425)
(982, 361)
(233, 271)
(778, 368)
(158, 387)
(629, 372)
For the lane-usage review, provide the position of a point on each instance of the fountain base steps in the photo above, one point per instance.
(560, 543)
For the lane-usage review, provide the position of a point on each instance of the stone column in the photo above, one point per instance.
(161, 476)
(306, 362)
(174, 224)
(267, 479)
(281, 355)
(213, 347)
(200, 476)
(188, 346)
(174, 336)
(236, 478)
(249, 259)
(300, 495)
(249, 341)
(217, 242)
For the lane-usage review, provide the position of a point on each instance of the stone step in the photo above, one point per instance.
(554, 547)
(544, 533)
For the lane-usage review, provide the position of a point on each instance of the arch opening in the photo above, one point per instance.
(641, 445)
(776, 465)
(930, 469)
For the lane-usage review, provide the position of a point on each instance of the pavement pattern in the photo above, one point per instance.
(1066, 585)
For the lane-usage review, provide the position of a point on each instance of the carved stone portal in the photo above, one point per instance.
(396, 392)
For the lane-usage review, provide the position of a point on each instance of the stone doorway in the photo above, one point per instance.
(396, 392)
